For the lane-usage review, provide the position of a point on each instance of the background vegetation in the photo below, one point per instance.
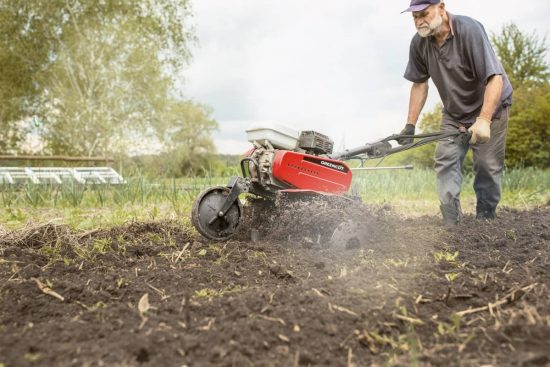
(87, 207)
(96, 78)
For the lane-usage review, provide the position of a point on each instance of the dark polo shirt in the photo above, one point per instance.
(460, 68)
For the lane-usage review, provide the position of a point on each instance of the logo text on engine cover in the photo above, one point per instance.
(332, 165)
(324, 163)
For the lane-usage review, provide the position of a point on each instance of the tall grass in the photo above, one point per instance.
(520, 188)
(91, 206)
(88, 206)
(135, 191)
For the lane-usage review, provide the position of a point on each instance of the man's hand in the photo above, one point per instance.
(481, 131)
(407, 130)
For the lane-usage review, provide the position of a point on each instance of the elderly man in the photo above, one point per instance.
(455, 52)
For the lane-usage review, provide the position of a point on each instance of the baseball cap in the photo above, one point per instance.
(419, 5)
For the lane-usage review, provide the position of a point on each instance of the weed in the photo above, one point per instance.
(120, 282)
(32, 357)
(451, 329)
(52, 252)
(394, 345)
(398, 263)
(207, 293)
(451, 277)
(257, 254)
(414, 346)
(97, 306)
(101, 245)
(155, 237)
(73, 193)
(154, 212)
(100, 191)
(511, 234)
(445, 255)
(121, 243)
(9, 195)
(34, 195)
(212, 293)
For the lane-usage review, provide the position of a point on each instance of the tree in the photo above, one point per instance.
(528, 141)
(97, 73)
(185, 132)
(23, 52)
(103, 87)
(524, 58)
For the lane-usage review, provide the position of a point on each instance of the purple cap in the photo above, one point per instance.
(419, 5)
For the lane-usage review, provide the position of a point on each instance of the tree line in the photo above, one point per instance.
(97, 77)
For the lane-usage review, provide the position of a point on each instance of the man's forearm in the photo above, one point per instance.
(493, 90)
(419, 94)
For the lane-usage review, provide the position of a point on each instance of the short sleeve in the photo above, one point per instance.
(481, 55)
(417, 70)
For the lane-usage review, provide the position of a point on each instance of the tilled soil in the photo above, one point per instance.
(157, 294)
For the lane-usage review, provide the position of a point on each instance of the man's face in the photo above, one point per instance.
(428, 21)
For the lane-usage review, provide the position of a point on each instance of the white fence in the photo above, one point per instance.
(59, 175)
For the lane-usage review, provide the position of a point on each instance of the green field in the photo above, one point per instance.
(410, 192)
(413, 191)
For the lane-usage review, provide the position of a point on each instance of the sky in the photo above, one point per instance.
(333, 67)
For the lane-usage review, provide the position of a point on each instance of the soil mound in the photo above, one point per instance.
(312, 219)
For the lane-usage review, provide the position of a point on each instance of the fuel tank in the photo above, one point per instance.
(310, 172)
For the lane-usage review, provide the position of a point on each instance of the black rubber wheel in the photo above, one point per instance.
(206, 207)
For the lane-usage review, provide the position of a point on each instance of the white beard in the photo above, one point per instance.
(432, 28)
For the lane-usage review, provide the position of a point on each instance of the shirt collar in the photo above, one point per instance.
(451, 34)
(450, 16)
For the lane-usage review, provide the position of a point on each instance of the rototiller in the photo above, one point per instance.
(296, 164)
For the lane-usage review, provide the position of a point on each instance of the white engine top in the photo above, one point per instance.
(279, 136)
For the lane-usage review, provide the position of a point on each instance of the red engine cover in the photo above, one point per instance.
(310, 172)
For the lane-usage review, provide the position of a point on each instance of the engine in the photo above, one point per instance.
(286, 160)
(315, 143)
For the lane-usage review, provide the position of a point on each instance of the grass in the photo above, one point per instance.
(411, 192)
(88, 207)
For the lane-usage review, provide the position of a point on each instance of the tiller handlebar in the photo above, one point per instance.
(383, 147)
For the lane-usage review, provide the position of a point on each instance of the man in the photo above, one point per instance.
(456, 53)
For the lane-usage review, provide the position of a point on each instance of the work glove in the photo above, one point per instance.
(481, 131)
(407, 130)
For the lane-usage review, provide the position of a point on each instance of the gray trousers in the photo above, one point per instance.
(488, 165)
